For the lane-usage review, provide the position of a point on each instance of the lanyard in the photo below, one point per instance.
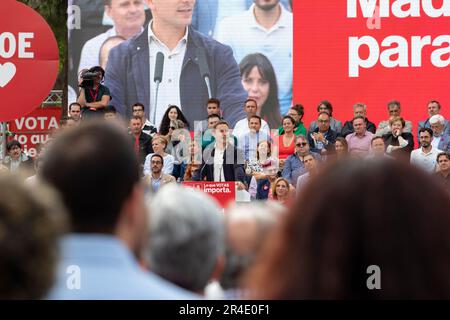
(96, 93)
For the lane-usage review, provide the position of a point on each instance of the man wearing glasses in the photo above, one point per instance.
(156, 179)
(322, 139)
(294, 165)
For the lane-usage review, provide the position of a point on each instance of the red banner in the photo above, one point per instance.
(35, 128)
(223, 192)
(372, 52)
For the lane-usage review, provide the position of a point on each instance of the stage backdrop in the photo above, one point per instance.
(372, 52)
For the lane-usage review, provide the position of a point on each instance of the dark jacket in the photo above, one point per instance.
(403, 153)
(145, 146)
(128, 70)
(330, 135)
(348, 127)
(233, 164)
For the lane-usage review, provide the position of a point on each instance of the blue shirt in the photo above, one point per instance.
(294, 167)
(107, 271)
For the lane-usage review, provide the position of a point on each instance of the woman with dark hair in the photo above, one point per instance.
(340, 148)
(169, 121)
(286, 141)
(399, 144)
(382, 225)
(325, 106)
(259, 80)
(297, 111)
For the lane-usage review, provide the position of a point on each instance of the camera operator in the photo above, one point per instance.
(94, 97)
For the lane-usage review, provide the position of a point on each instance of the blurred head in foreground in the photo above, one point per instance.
(365, 216)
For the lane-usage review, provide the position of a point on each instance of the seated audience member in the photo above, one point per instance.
(110, 113)
(159, 144)
(261, 169)
(394, 111)
(359, 110)
(378, 149)
(425, 156)
(142, 142)
(242, 127)
(156, 179)
(31, 222)
(168, 122)
(259, 80)
(212, 107)
(322, 139)
(222, 161)
(208, 134)
(294, 166)
(138, 110)
(186, 238)
(249, 141)
(311, 166)
(359, 141)
(335, 125)
(434, 108)
(16, 160)
(296, 112)
(399, 144)
(340, 148)
(193, 162)
(247, 228)
(441, 140)
(97, 173)
(282, 191)
(286, 141)
(443, 169)
(75, 112)
(404, 233)
(94, 97)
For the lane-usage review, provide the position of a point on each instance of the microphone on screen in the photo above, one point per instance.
(157, 78)
(204, 68)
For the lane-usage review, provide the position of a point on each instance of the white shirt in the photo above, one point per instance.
(426, 161)
(435, 141)
(218, 164)
(169, 88)
(226, 8)
(90, 54)
(244, 35)
(168, 164)
(241, 128)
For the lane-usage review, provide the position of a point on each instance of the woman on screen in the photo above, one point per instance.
(259, 80)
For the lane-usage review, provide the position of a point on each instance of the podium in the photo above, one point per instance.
(223, 192)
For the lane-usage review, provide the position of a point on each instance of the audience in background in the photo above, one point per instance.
(394, 110)
(425, 156)
(434, 108)
(359, 141)
(441, 139)
(157, 178)
(399, 144)
(359, 110)
(159, 144)
(297, 112)
(335, 125)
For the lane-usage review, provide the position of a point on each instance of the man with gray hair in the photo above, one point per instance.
(186, 237)
(359, 110)
(247, 228)
(441, 140)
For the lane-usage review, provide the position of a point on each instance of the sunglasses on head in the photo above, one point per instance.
(301, 144)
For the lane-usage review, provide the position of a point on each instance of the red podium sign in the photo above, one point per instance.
(223, 192)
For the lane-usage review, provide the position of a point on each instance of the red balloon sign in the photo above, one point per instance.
(28, 60)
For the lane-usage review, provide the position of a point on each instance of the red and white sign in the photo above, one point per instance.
(223, 192)
(372, 51)
(28, 59)
(35, 128)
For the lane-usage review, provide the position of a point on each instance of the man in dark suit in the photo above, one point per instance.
(129, 73)
(222, 160)
(142, 142)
